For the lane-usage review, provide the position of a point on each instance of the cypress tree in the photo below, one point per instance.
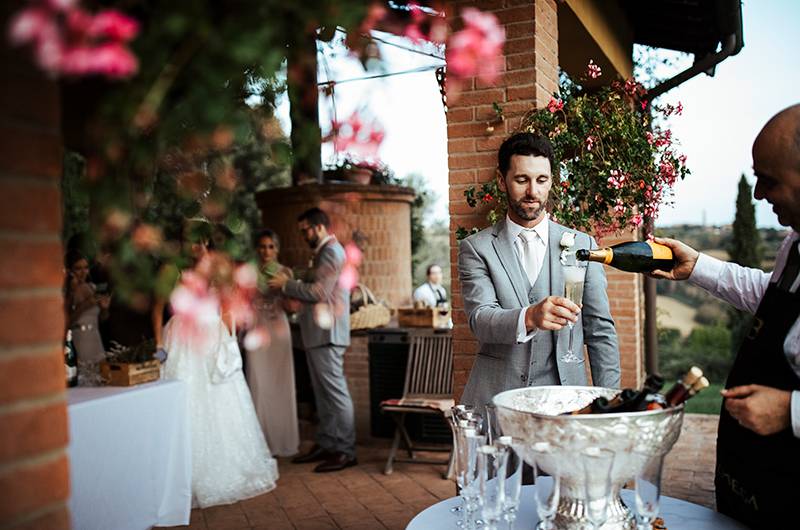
(744, 249)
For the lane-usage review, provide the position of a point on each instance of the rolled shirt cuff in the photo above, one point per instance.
(706, 272)
(522, 333)
(795, 413)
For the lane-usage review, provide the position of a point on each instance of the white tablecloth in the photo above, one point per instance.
(677, 514)
(130, 457)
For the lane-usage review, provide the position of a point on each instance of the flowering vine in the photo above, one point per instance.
(615, 168)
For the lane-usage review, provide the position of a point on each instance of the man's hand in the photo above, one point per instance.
(551, 314)
(278, 281)
(685, 260)
(762, 409)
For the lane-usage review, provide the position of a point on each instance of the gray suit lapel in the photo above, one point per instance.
(504, 246)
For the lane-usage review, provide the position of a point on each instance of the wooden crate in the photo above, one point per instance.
(129, 374)
(426, 317)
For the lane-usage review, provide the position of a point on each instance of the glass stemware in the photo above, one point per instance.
(467, 474)
(513, 486)
(648, 489)
(598, 464)
(548, 487)
(491, 470)
(574, 275)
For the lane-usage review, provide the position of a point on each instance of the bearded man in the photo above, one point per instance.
(512, 283)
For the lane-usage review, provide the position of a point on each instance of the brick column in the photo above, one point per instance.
(529, 79)
(34, 478)
(530, 76)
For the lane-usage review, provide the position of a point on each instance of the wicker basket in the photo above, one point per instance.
(370, 315)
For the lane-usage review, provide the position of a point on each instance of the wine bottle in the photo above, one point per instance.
(652, 385)
(70, 361)
(680, 390)
(627, 400)
(633, 256)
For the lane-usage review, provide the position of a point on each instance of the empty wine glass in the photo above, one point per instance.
(513, 486)
(491, 471)
(574, 276)
(493, 431)
(648, 489)
(548, 487)
(467, 473)
(598, 464)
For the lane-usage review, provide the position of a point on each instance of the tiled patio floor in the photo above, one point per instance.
(363, 498)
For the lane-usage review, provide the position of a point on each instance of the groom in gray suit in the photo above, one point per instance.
(325, 328)
(512, 284)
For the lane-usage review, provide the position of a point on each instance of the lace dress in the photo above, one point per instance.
(230, 458)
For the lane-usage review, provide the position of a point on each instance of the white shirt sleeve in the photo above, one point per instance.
(795, 413)
(740, 286)
(522, 333)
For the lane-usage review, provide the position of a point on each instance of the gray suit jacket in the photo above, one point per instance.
(323, 288)
(495, 287)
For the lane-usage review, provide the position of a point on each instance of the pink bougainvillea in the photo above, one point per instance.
(476, 50)
(355, 137)
(68, 40)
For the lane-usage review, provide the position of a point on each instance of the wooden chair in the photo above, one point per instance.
(428, 389)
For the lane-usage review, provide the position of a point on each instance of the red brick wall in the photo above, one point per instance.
(34, 477)
(383, 214)
(529, 78)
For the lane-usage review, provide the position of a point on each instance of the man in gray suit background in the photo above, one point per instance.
(512, 284)
(325, 327)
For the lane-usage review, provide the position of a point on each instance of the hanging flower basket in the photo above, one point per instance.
(614, 167)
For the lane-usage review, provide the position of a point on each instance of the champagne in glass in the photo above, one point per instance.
(574, 276)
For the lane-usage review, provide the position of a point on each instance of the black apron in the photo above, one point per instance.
(758, 477)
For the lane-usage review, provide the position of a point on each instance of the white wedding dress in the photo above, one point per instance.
(230, 457)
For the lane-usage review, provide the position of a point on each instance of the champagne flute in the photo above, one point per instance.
(467, 474)
(598, 464)
(513, 486)
(574, 276)
(491, 471)
(648, 489)
(548, 487)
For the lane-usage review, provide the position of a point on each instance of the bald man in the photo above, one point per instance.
(758, 443)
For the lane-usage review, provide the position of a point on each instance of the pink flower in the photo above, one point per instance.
(348, 278)
(414, 30)
(477, 49)
(637, 220)
(69, 40)
(650, 137)
(589, 142)
(114, 25)
(679, 109)
(257, 338)
(353, 254)
(246, 277)
(555, 105)
(147, 237)
(593, 70)
(616, 180)
(356, 137)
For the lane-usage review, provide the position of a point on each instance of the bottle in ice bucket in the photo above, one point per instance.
(633, 256)
(648, 398)
(70, 361)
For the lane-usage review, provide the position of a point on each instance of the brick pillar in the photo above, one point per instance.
(34, 478)
(529, 78)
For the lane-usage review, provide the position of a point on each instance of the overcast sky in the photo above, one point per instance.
(722, 114)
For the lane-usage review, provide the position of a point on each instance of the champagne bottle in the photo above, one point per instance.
(680, 390)
(70, 361)
(627, 400)
(633, 256)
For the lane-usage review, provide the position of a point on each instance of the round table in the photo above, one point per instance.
(677, 514)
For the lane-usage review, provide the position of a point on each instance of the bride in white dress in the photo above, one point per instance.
(230, 457)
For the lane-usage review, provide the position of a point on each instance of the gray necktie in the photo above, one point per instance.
(530, 254)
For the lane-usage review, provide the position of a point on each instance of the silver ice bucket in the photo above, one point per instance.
(531, 415)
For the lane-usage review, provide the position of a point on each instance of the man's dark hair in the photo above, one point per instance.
(315, 217)
(430, 268)
(526, 144)
(266, 232)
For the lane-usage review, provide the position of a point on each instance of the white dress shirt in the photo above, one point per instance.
(744, 288)
(430, 294)
(542, 230)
